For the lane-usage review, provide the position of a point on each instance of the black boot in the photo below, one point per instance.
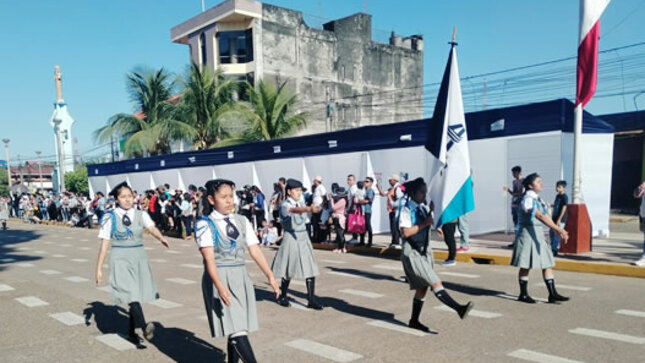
(4, 225)
(242, 348)
(313, 304)
(414, 323)
(231, 355)
(148, 329)
(445, 298)
(524, 294)
(284, 286)
(132, 335)
(554, 297)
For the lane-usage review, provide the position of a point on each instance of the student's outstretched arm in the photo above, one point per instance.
(211, 269)
(261, 261)
(549, 223)
(99, 262)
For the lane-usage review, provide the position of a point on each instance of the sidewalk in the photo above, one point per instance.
(609, 256)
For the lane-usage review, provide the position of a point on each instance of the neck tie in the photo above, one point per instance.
(126, 220)
(231, 230)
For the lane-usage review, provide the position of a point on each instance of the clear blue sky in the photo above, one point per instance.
(97, 43)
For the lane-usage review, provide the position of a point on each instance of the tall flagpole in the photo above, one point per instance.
(577, 154)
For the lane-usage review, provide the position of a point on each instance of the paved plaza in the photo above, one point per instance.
(51, 311)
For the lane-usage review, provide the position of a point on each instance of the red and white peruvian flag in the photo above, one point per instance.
(590, 11)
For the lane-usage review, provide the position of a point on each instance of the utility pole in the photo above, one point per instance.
(40, 171)
(61, 157)
(20, 170)
(6, 153)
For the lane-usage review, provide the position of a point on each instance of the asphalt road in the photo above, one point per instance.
(51, 311)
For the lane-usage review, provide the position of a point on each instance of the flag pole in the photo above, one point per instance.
(577, 154)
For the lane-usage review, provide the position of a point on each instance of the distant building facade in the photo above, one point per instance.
(342, 77)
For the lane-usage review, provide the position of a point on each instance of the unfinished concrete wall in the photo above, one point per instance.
(367, 82)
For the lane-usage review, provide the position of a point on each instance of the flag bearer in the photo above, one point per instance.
(418, 262)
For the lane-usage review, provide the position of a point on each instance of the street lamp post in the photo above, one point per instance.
(59, 145)
(40, 172)
(6, 152)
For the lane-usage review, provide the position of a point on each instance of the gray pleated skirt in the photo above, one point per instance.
(131, 277)
(295, 258)
(419, 269)
(531, 250)
(242, 314)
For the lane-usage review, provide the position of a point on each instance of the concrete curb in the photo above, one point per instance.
(602, 268)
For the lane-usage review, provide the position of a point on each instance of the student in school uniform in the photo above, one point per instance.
(418, 263)
(131, 279)
(530, 247)
(295, 258)
(4, 212)
(222, 237)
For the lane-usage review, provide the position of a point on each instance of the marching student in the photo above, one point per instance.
(295, 258)
(4, 212)
(131, 279)
(418, 263)
(530, 248)
(222, 237)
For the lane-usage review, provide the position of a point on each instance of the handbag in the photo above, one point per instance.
(356, 222)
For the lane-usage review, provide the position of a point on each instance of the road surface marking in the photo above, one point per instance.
(24, 248)
(85, 240)
(608, 335)
(473, 312)
(7, 260)
(640, 314)
(50, 272)
(513, 297)
(115, 341)
(192, 265)
(65, 245)
(173, 252)
(165, 304)
(76, 279)
(539, 357)
(159, 260)
(458, 274)
(568, 287)
(324, 351)
(179, 280)
(68, 237)
(48, 242)
(397, 327)
(298, 305)
(86, 248)
(59, 255)
(25, 264)
(68, 318)
(389, 267)
(5, 287)
(41, 252)
(371, 295)
(148, 248)
(79, 260)
(333, 261)
(106, 288)
(31, 301)
(345, 274)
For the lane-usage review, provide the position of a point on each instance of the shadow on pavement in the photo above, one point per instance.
(369, 275)
(178, 344)
(9, 240)
(471, 290)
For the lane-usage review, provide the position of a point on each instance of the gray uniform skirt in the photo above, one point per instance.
(295, 258)
(419, 269)
(531, 250)
(130, 276)
(242, 314)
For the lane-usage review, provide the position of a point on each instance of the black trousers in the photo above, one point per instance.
(394, 229)
(449, 238)
(340, 233)
(368, 229)
(188, 224)
(276, 222)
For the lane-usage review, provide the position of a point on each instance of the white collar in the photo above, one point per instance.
(291, 200)
(124, 211)
(215, 215)
(531, 193)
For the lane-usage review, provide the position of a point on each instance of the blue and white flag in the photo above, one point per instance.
(450, 187)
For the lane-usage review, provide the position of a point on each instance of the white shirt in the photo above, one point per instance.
(204, 235)
(529, 201)
(319, 194)
(106, 224)
(405, 216)
(398, 194)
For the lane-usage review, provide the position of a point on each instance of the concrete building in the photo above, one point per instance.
(33, 177)
(342, 77)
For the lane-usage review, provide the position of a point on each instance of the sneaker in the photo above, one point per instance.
(640, 262)
(463, 249)
(344, 250)
(448, 263)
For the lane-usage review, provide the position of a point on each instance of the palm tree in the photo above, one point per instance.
(206, 102)
(154, 127)
(269, 114)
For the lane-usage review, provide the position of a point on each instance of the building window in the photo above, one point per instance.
(202, 48)
(235, 46)
(244, 81)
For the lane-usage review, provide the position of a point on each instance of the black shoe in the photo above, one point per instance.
(415, 324)
(510, 246)
(284, 301)
(555, 253)
(556, 299)
(360, 244)
(134, 339)
(463, 312)
(149, 331)
(526, 299)
(314, 305)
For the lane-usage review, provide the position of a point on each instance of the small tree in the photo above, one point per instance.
(4, 187)
(76, 181)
